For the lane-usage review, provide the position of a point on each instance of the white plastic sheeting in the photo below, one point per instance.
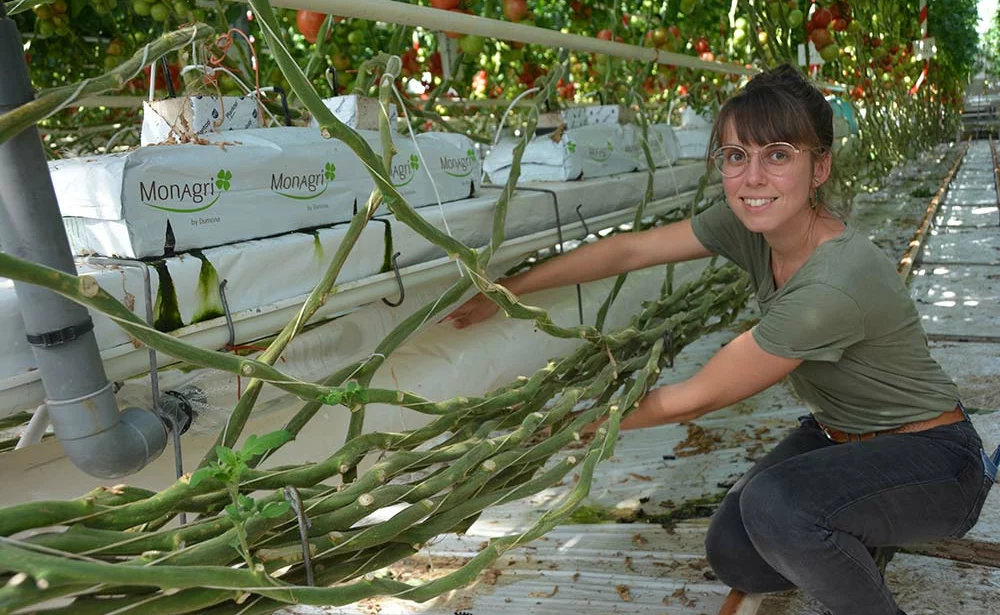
(595, 150)
(440, 362)
(273, 271)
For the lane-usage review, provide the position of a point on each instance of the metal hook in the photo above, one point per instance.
(284, 103)
(294, 499)
(582, 221)
(559, 233)
(399, 282)
(229, 316)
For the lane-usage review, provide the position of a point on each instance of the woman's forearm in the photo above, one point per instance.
(611, 256)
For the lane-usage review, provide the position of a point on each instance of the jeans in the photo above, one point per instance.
(810, 512)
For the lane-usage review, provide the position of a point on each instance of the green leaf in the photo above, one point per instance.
(246, 503)
(334, 397)
(257, 445)
(233, 512)
(273, 510)
(226, 456)
(202, 474)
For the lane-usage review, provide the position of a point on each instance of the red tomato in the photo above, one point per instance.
(435, 64)
(605, 35)
(839, 24)
(309, 23)
(701, 45)
(515, 10)
(675, 32)
(821, 37)
(822, 18)
(445, 4)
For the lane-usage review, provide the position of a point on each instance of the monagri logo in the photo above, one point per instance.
(403, 173)
(313, 183)
(600, 154)
(185, 198)
(459, 167)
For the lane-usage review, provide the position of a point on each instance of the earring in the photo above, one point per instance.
(814, 198)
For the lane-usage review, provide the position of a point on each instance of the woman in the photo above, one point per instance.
(888, 456)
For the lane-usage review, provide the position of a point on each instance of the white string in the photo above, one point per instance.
(427, 169)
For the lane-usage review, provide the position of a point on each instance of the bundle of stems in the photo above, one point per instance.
(318, 533)
(476, 453)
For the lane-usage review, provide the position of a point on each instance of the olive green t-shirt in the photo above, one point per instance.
(847, 313)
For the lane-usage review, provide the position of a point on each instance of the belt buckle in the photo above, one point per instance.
(826, 432)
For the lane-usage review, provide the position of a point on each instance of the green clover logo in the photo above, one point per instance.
(414, 162)
(222, 179)
(471, 153)
(611, 148)
(330, 171)
(571, 146)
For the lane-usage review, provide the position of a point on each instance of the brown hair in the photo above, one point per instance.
(777, 105)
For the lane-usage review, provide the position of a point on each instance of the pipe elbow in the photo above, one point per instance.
(103, 442)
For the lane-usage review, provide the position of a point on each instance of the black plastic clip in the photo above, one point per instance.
(166, 77)
(284, 103)
(668, 350)
(399, 282)
(61, 336)
(229, 316)
(333, 83)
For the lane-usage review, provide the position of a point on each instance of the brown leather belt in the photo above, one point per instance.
(946, 418)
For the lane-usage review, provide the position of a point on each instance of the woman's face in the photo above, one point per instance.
(765, 202)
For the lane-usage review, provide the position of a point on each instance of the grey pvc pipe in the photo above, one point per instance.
(82, 408)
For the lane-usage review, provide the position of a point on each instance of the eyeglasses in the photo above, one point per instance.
(775, 159)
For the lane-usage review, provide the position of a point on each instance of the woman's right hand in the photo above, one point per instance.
(476, 309)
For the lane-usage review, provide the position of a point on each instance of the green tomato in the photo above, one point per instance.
(687, 6)
(829, 53)
(740, 23)
(795, 18)
(159, 12)
(110, 63)
(141, 7)
(356, 37)
(45, 28)
(181, 8)
(471, 44)
(739, 36)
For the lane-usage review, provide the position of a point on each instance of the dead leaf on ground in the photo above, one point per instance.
(624, 592)
(555, 590)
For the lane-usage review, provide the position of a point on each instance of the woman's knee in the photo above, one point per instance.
(770, 508)
(731, 554)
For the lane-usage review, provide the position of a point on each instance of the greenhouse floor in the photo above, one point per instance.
(648, 563)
